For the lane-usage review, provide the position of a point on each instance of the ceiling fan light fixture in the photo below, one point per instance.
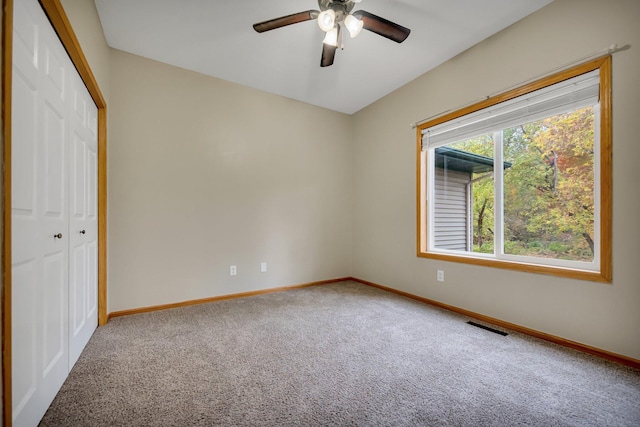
(327, 20)
(331, 38)
(354, 25)
(334, 17)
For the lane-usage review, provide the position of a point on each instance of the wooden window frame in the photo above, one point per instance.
(604, 274)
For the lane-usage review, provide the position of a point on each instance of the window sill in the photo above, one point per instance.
(594, 276)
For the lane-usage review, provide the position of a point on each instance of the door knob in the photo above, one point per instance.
(82, 231)
(57, 236)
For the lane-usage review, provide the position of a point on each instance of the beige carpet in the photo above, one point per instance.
(339, 354)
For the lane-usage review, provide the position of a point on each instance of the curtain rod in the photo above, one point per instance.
(608, 51)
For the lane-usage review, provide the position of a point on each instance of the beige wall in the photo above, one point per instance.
(384, 231)
(204, 174)
(86, 25)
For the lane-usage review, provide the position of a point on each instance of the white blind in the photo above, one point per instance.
(572, 94)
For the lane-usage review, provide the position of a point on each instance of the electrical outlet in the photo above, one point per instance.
(440, 276)
(233, 270)
(263, 267)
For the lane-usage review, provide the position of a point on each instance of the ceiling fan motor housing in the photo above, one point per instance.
(342, 8)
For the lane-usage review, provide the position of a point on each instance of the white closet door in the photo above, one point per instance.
(43, 127)
(39, 212)
(83, 228)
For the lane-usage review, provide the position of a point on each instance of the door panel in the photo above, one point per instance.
(53, 136)
(24, 279)
(53, 324)
(78, 181)
(25, 32)
(24, 154)
(92, 208)
(92, 282)
(83, 314)
(77, 290)
(55, 71)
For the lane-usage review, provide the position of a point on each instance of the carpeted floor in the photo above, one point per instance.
(339, 354)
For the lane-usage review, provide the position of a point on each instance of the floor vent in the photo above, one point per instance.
(495, 331)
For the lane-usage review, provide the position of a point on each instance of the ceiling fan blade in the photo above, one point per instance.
(283, 21)
(382, 26)
(328, 54)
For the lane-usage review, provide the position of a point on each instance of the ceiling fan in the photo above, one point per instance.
(333, 17)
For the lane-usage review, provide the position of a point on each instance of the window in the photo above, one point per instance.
(522, 180)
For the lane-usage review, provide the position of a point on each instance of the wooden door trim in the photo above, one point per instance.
(7, 67)
(55, 12)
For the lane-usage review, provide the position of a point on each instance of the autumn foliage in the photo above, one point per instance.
(548, 188)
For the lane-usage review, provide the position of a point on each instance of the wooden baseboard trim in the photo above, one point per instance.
(618, 358)
(221, 298)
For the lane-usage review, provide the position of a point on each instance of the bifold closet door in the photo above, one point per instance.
(83, 220)
(51, 158)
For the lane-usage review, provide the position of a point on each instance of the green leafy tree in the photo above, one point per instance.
(549, 194)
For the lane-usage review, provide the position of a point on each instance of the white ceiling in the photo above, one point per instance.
(216, 37)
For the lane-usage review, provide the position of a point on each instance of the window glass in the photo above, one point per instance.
(464, 195)
(549, 189)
